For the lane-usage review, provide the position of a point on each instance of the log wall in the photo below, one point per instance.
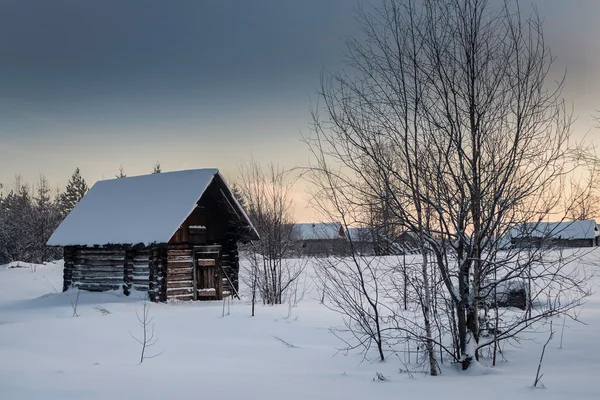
(180, 274)
(97, 269)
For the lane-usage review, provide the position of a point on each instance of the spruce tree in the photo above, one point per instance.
(237, 194)
(18, 244)
(76, 189)
(45, 220)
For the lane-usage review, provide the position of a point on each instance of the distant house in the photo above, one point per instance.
(320, 239)
(559, 234)
(174, 235)
(370, 241)
(363, 240)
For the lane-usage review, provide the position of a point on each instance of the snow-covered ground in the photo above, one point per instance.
(46, 353)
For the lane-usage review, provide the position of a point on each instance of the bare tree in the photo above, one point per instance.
(449, 106)
(538, 377)
(121, 173)
(584, 200)
(267, 195)
(147, 339)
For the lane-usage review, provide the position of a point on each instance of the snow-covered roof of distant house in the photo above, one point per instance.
(360, 234)
(318, 231)
(586, 229)
(143, 209)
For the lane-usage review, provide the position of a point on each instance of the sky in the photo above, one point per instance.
(193, 84)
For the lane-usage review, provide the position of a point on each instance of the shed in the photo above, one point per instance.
(174, 235)
(320, 239)
(581, 233)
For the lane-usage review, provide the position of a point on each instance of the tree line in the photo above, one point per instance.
(29, 214)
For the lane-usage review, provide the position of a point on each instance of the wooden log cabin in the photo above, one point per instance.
(173, 235)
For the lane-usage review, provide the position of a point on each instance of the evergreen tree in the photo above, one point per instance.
(76, 189)
(3, 230)
(46, 218)
(237, 194)
(17, 243)
(157, 169)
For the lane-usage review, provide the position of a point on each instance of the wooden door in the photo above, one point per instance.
(208, 277)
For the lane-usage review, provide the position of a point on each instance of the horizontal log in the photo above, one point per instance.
(179, 278)
(87, 270)
(99, 262)
(94, 254)
(114, 281)
(84, 267)
(99, 271)
(180, 270)
(97, 275)
(180, 285)
(179, 265)
(179, 260)
(183, 255)
(207, 295)
(100, 253)
(140, 263)
(187, 269)
(142, 256)
(141, 288)
(93, 287)
(179, 291)
(179, 253)
(211, 248)
(180, 297)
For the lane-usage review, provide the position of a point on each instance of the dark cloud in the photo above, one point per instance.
(70, 47)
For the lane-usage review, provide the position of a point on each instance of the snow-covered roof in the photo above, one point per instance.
(586, 229)
(318, 231)
(143, 209)
(360, 234)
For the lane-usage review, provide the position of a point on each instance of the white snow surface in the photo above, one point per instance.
(46, 353)
(141, 209)
(586, 229)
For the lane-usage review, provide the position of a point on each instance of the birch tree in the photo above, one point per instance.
(450, 104)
